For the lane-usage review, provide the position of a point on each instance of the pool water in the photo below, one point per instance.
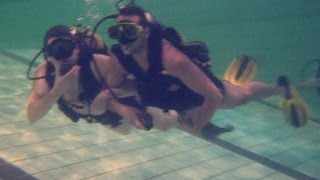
(283, 36)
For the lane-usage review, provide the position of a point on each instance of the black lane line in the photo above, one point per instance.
(277, 107)
(224, 144)
(9, 171)
(260, 159)
(15, 57)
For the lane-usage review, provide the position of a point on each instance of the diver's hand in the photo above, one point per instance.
(65, 82)
(133, 117)
(188, 124)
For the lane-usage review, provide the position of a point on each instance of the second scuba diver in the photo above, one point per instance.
(170, 77)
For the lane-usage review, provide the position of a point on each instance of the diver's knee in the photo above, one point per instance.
(164, 128)
(163, 121)
(243, 96)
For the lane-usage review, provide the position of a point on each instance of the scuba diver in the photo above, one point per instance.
(171, 76)
(75, 77)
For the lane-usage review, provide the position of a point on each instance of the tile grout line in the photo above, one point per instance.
(114, 154)
(260, 159)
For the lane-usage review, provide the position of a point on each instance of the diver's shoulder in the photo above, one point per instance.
(173, 58)
(169, 48)
(105, 61)
(166, 44)
(41, 68)
(171, 53)
(101, 57)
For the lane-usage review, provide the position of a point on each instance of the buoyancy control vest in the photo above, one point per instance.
(154, 85)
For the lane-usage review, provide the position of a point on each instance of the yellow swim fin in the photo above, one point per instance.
(242, 70)
(294, 108)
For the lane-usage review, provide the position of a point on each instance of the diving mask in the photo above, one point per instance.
(60, 48)
(125, 32)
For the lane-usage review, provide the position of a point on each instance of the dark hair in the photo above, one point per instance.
(56, 31)
(132, 10)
